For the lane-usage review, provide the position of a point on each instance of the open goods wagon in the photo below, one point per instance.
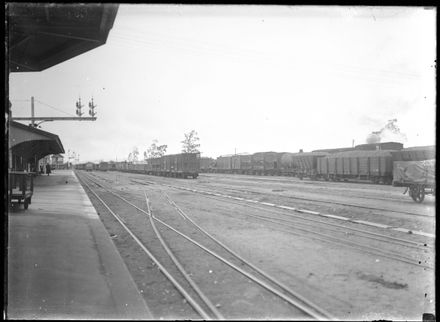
(302, 164)
(418, 153)
(111, 166)
(417, 176)
(376, 166)
(177, 165)
(266, 163)
(207, 164)
(103, 166)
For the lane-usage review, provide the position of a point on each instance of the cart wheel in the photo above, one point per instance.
(26, 204)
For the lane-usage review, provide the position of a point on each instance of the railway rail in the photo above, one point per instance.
(314, 233)
(283, 180)
(406, 213)
(256, 275)
(361, 233)
(312, 222)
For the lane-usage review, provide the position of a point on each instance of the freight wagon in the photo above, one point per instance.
(302, 164)
(89, 166)
(111, 166)
(207, 164)
(266, 163)
(177, 165)
(180, 165)
(417, 176)
(418, 153)
(223, 164)
(241, 163)
(102, 166)
(376, 166)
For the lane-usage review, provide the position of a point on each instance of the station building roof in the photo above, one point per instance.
(28, 142)
(41, 35)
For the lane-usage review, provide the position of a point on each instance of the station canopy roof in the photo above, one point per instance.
(41, 35)
(29, 142)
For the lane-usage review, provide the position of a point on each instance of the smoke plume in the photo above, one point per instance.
(389, 133)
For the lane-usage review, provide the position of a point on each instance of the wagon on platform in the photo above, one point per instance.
(417, 176)
(21, 188)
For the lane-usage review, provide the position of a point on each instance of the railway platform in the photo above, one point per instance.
(61, 261)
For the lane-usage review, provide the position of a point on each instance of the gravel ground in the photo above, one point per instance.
(347, 282)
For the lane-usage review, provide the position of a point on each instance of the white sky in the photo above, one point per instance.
(250, 78)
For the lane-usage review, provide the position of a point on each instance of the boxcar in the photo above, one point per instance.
(241, 163)
(137, 167)
(286, 164)
(207, 164)
(258, 163)
(89, 166)
(102, 166)
(271, 163)
(121, 166)
(223, 164)
(111, 166)
(181, 165)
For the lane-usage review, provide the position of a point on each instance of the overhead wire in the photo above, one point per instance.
(239, 51)
(50, 106)
(341, 70)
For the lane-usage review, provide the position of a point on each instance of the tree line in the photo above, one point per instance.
(190, 144)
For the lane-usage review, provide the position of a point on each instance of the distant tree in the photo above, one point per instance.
(155, 150)
(191, 142)
(133, 155)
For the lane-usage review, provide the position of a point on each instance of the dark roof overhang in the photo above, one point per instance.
(29, 142)
(41, 35)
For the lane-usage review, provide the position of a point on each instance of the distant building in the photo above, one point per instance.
(42, 163)
(57, 161)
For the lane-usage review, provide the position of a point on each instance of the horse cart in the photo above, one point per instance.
(417, 176)
(21, 188)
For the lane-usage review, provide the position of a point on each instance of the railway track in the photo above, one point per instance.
(317, 231)
(321, 183)
(226, 256)
(217, 193)
(322, 201)
(310, 230)
(361, 233)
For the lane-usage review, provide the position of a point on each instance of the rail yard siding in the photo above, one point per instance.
(372, 162)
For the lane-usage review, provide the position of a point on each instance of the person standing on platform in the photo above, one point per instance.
(48, 168)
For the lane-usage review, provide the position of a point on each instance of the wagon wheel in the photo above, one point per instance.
(417, 193)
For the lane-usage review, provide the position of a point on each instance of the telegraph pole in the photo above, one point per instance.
(33, 118)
